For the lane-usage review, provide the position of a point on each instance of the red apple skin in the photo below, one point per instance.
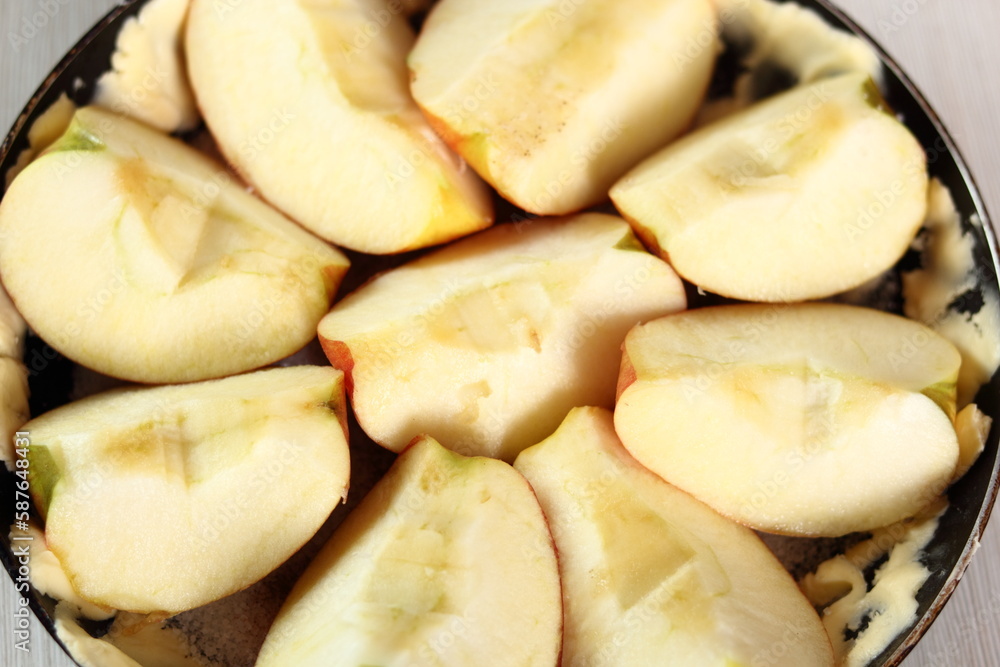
(453, 139)
(626, 378)
(340, 358)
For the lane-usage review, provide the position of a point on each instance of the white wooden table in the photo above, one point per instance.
(950, 49)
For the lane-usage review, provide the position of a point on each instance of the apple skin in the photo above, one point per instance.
(448, 558)
(222, 481)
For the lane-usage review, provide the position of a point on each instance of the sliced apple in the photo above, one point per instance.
(13, 406)
(447, 560)
(13, 377)
(805, 195)
(649, 572)
(168, 271)
(310, 102)
(552, 101)
(191, 492)
(814, 420)
(148, 79)
(149, 646)
(973, 429)
(487, 344)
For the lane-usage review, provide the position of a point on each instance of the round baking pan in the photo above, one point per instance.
(971, 499)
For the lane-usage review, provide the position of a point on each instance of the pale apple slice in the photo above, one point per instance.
(805, 195)
(814, 420)
(552, 101)
(448, 560)
(160, 500)
(650, 574)
(152, 264)
(148, 646)
(310, 102)
(487, 344)
(148, 78)
(13, 377)
(973, 429)
(14, 410)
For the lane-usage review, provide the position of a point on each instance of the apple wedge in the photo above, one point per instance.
(805, 195)
(310, 102)
(813, 420)
(487, 344)
(13, 378)
(447, 561)
(553, 101)
(138, 257)
(148, 79)
(191, 492)
(652, 576)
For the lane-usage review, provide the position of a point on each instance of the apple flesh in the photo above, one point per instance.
(13, 378)
(552, 101)
(487, 344)
(812, 420)
(649, 572)
(446, 561)
(805, 195)
(973, 429)
(310, 102)
(148, 79)
(191, 492)
(168, 271)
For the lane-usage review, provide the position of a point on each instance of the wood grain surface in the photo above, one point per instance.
(948, 48)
